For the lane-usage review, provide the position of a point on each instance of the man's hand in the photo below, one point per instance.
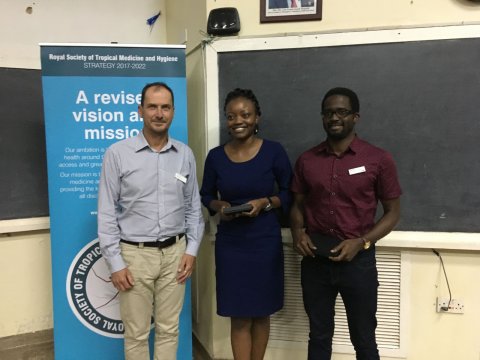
(351, 247)
(347, 250)
(302, 243)
(185, 268)
(122, 279)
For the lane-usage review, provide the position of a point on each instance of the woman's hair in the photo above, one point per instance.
(244, 93)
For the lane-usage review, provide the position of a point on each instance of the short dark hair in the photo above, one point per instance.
(245, 93)
(354, 103)
(157, 84)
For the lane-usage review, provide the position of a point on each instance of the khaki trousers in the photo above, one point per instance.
(156, 289)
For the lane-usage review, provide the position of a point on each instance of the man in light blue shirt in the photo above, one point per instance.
(150, 225)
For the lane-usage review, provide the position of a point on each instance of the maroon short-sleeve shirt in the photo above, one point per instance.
(342, 192)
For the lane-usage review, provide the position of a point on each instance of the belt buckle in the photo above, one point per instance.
(166, 243)
(170, 241)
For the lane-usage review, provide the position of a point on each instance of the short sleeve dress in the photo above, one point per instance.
(248, 251)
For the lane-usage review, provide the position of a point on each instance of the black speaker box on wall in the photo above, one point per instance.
(223, 21)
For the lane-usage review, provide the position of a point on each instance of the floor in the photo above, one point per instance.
(36, 346)
(39, 346)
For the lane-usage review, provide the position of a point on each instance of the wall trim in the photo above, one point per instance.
(21, 225)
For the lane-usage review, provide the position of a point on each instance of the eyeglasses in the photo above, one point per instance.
(341, 113)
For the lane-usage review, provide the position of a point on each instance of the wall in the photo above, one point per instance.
(339, 15)
(429, 335)
(70, 21)
(25, 256)
(25, 270)
(443, 336)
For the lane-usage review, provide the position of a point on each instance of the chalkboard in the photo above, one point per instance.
(418, 100)
(23, 171)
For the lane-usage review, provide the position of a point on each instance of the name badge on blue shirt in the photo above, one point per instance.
(181, 178)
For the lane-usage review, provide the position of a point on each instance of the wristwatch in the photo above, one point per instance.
(269, 205)
(366, 243)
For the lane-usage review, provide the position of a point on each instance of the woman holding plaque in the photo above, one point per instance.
(254, 174)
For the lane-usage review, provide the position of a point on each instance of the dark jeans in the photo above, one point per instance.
(357, 282)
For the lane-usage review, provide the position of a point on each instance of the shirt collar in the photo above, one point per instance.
(141, 143)
(353, 147)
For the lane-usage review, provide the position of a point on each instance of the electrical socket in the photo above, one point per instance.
(456, 306)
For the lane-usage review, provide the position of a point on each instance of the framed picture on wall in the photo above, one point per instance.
(290, 10)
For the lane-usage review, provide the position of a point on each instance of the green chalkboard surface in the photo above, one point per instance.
(418, 100)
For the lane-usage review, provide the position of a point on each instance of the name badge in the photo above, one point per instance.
(357, 170)
(181, 178)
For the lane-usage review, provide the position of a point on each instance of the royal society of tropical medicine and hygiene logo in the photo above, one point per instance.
(91, 294)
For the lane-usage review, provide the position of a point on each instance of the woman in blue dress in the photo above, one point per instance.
(248, 247)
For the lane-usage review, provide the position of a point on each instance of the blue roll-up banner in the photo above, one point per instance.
(91, 95)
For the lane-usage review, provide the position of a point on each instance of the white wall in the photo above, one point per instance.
(25, 283)
(341, 15)
(88, 21)
(25, 300)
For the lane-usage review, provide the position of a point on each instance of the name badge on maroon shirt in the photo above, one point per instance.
(357, 170)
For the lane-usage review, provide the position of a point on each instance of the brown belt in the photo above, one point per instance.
(158, 244)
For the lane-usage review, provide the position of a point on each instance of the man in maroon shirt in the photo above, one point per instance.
(337, 186)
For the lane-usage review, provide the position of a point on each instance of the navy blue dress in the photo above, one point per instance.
(248, 251)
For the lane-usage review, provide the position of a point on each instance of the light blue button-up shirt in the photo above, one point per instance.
(147, 195)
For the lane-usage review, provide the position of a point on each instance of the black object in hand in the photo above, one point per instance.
(324, 244)
(237, 209)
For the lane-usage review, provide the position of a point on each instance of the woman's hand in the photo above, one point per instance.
(224, 216)
(218, 206)
(258, 205)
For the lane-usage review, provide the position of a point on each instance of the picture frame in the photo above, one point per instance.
(281, 10)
